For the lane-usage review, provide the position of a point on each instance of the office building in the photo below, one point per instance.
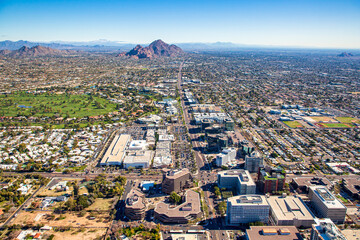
(253, 162)
(238, 180)
(325, 229)
(227, 155)
(273, 233)
(325, 205)
(229, 124)
(272, 181)
(177, 181)
(216, 142)
(135, 205)
(189, 210)
(245, 209)
(290, 211)
(116, 151)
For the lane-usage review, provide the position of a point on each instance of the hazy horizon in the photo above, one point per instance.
(301, 24)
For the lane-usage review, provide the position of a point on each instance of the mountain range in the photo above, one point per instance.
(156, 49)
(105, 45)
(35, 51)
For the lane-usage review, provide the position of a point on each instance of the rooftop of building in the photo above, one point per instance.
(138, 156)
(136, 144)
(135, 199)
(326, 197)
(190, 206)
(248, 200)
(173, 174)
(312, 181)
(327, 229)
(254, 154)
(116, 150)
(352, 184)
(273, 175)
(289, 207)
(273, 232)
(243, 175)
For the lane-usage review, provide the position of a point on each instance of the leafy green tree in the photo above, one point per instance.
(175, 198)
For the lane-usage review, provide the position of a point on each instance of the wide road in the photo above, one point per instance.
(204, 173)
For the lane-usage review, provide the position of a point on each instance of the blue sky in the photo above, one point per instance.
(306, 23)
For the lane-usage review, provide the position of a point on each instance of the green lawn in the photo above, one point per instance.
(293, 124)
(342, 199)
(347, 120)
(47, 104)
(335, 125)
(226, 194)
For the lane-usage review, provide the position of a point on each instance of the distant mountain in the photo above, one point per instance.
(210, 46)
(156, 49)
(93, 46)
(35, 51)
(10, 45)
(345, 54)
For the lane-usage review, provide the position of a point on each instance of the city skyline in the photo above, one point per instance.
(319, 24)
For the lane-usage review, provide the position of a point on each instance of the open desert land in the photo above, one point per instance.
(63, 220)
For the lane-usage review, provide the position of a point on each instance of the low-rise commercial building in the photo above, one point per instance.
(273, 233)
(352, 186)
(302, 184)
(290, 211)
(138, 159)
(135, 205)
(245, 209)
(177, 181)
(326, 205)
(239, 180)
(189, 210)
(116, 151)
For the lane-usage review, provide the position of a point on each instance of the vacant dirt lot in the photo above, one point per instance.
(78, 234)
(64, 220)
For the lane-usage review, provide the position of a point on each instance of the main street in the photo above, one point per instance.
(204, 174)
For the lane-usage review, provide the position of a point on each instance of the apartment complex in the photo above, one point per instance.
(273, 181)
(326, 205)
(238, 180)
(245, 209)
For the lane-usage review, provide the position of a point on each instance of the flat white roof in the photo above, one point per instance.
(326, 197)
(116, 150)
(241, 200)
(288, 208)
